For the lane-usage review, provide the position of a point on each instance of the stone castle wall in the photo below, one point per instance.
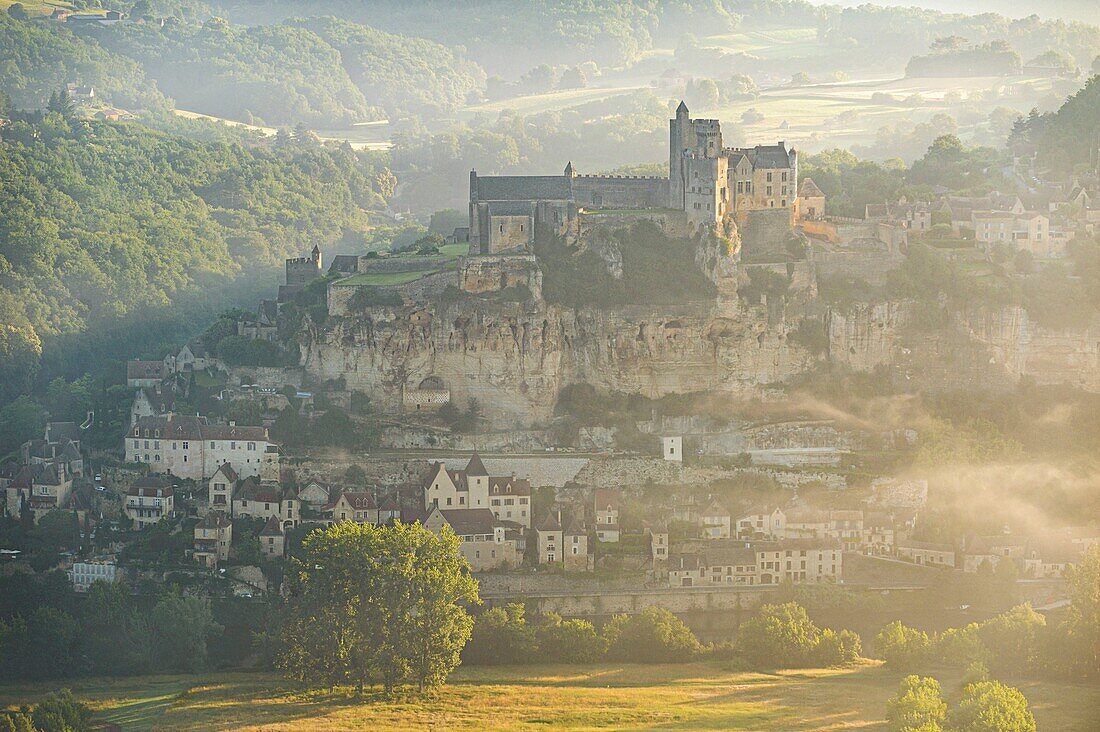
(765, 233)
(491, 273)
(615, 191)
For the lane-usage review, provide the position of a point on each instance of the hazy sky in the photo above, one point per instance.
(1084, 10)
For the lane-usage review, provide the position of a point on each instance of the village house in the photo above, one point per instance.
(879, 535)
(510, 500)
(916, 216)
(357, 506)
(273, 539)
(757, 563)
(149, 499)
(194, 357)
(483, 538)
(715, 521)
(191, 447)
(806, 524)
(672, 448)
(314, 495)
(991, 550)
(1048, 557)
(142, 374)
(847, 528)
(255, 499)
(213, 537)
(606, 510)
(84, 574)
(762, 524)
(41, 487)
(926, 553)
(562, 538)
(152, 401)
(658, 543)
(508, 497)
(810, 204)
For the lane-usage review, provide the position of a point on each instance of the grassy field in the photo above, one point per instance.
(688, 696)
(45, 7)
(771, 44)
(384, 278)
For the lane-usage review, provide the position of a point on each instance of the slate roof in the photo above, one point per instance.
(272, 527)
(523, 188)
(476, 466)
(550, 522)
(213, 520)
(226, 469)
(347, 263)
(58, 431)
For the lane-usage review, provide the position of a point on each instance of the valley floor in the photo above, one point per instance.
(685, 696)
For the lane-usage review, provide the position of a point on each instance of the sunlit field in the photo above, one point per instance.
(688, 696)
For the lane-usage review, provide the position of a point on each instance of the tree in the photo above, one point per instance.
(783, 636)
(568, 641)
(990, 706)
(902, 647)
(918, 705)
(377, 604)
(1083, 583)
(355, 475)
(334, 428)
(501, 635)
(17, 11)
(114, 638)
(652, 636)
(1012, 638)
(180, 628)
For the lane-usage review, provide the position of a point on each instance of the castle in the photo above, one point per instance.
(710, 184)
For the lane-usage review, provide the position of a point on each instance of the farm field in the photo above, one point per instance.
(548, 101)
(693, 696)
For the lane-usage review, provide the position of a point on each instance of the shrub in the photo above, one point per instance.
(500, 635)
(902, 647)
(918, 705)
(655, 635)
(783, 636)
(990, 706)
(568, 641)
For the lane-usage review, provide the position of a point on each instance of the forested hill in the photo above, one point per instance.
(103, 220)
(321, 72)
(1065, 141)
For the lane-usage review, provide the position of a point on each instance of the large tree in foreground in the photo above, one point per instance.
(377, 605)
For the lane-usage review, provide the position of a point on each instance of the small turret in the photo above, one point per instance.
(570, 171)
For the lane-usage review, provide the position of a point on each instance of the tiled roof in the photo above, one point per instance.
(470, 521)
(144, 369)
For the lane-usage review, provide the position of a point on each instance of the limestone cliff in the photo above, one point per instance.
(517, 357)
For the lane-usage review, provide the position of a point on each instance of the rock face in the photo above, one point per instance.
(518, 357)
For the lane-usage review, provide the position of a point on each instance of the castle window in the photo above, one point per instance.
(784, 176)
(769, 190)
(740, 186)
(502, 228)
(769, 177)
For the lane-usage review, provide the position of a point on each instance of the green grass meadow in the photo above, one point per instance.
(703, 695)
